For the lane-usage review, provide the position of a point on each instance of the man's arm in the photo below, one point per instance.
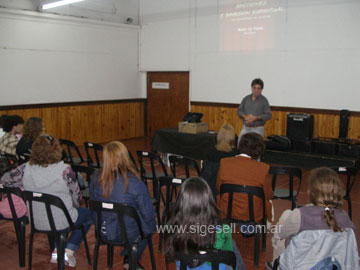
(240, 110)
(267, 111)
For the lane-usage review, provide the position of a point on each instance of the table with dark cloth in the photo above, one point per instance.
(196, 146)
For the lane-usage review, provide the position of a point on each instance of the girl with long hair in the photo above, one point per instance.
(196, 212)
(324, 212)
(119, 182)
(33, 128)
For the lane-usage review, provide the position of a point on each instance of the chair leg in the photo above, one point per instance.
(86, 246)
(96, 254)
(256, 249)
(263, 235)
(51, 240)
(133, 257)
(158, 212)
(22, 244)
(60, 246)
(110, 255)
(151, 250)
(30, 249)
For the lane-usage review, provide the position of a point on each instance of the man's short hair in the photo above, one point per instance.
(257, 81)
(12, 121)
(252, 144)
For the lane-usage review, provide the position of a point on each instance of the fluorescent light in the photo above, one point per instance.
(60, 3)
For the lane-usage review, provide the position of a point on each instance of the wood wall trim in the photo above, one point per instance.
(276, 108)
(69, 104)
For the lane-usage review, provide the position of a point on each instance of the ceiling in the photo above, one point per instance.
(104, 10)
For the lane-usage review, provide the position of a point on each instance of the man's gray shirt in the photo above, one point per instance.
(259, 107)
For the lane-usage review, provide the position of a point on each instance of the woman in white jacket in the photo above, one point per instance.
(46, 173)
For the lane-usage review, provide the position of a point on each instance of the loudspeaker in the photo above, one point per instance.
(344, 123)
(299, 126)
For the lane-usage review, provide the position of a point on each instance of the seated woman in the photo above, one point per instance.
(46, 173)
(33, 128)
(12, 126)
(196, 206)
(225, 147)
(323, 213)
(118, 181)
(11, 177)
(246, 169)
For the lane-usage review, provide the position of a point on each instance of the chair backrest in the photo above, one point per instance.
(309, 247)
(70, 148)
(152, 158)
(344, 123)
(16, 191)
(121, 210)
(284, 170)
(48, 200)
(215, 257)
(133, 160)
(171, 183)
(96, 149)
(83, 170)
(251, 191)
(184, 162)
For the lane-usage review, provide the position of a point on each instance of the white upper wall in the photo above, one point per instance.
(307, 52)
(48, 58)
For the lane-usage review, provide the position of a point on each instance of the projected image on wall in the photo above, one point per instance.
(251, 25)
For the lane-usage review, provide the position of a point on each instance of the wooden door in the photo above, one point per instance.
(167, 99)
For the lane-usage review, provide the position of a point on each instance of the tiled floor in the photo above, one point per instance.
(41, 254)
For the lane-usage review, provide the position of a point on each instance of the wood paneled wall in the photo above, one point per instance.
(97, 122)
(326, 122)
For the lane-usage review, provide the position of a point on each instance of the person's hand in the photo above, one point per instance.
(251, 118)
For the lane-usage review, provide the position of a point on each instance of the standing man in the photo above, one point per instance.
(254, 109)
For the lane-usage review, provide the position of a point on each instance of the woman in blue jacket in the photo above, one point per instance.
(119, 182)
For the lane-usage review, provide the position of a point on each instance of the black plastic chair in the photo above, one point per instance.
(121, 210)
(170, 183)
(286, 194)
(215, 257)
(88, 173)
(51, 201)
(350, 180)
(251, 191)
(70, 148)
(96, 149)
(19, 222)
(183, 162)
(153, 159)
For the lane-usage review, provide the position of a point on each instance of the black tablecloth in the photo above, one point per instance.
(196, 146)
(307, 160)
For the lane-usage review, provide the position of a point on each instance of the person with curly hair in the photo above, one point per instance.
(33, 128)
(47, 173)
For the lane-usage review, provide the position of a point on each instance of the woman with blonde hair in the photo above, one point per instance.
(119, 182)
(324, 212)
(225, 147)
(33, 128)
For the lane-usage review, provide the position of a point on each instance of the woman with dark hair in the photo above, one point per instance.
(12, 125)
(118, 181)
(196, 212)
(324, 212)
(246, 169)
(47, 173)
(33, 128)
(225, 147)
